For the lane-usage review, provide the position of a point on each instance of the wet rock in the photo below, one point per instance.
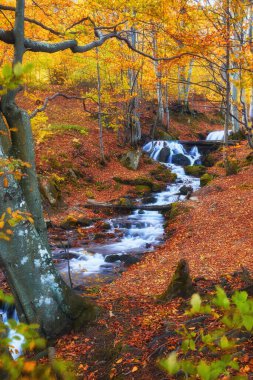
(184, 190)
(63, 244)
(129, 260)
(141, 212)
(106, 226)
(126, 259)
(180, 159)
(112, 258)
(64, 255)
(71, 222)
(164, 154)
(131, 159)
(146, 200)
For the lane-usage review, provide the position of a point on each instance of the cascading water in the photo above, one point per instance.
(7, 313)
(142, 230)
(217, 135)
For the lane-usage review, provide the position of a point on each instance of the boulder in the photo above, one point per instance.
(131, 159)
(184, 190)
(72, 221)
(112, 258)
(50, 191)
(164, 154)
(180, 159)
(180, 285)
(126, 259)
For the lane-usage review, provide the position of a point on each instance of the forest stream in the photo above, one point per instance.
(139, 232)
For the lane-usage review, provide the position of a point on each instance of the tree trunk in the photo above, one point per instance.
(101, 143)
(41, 295)
(167, 110)
(159, 93)
(187, 86)
(23, 149)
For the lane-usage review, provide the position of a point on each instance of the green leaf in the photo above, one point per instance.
(248, 322)
(224, 343)
(196, 303)
(27, 68)
(221, 298)
(170, 364)
(7, 71)
(204, 370)
(18, 69)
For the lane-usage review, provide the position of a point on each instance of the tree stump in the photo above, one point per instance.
(180, 285)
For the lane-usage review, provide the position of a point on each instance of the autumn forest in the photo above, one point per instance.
(126, 178)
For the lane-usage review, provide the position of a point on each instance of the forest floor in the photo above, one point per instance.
(212, 232)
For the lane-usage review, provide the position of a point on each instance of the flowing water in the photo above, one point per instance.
(217, 135)
(139, 232)
(7, 313)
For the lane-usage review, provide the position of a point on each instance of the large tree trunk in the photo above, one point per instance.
(23, 148)
(41, 295)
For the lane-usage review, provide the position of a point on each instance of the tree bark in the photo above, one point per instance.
(41, 295)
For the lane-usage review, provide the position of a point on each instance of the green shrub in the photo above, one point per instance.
(234, 318)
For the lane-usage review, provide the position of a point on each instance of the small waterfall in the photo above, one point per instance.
(8, 312)
(217, 135)
(172, 152)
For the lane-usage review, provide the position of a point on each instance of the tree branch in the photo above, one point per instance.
(59, 94)
(46, 47)
(32, 21)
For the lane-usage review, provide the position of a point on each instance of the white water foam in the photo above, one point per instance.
(16, 339)
(217, 135)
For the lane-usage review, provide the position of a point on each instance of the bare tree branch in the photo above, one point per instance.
(60, 94)
(32, 21)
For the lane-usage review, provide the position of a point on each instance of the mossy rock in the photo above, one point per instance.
(233, 167)
(158, 187)
(163, 135)
(196, 170)
(134, 182)
(131, 159)
(50, 190)
(205, 179)
(125, 202)
(209, 160)
(72, 221)
(249, 158)
(143, 189)
(163, 174)
(181, 284)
